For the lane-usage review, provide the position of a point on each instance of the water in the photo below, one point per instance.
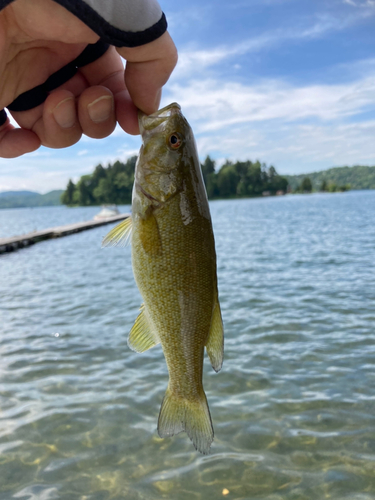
(293, 407)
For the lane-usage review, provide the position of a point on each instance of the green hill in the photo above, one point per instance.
(19, 199)
(357, 177)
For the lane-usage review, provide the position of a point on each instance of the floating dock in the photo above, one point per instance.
(25, 240)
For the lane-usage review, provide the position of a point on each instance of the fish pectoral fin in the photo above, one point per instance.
(119, 235)
(149, 235)
(141, 336)
(215, 341)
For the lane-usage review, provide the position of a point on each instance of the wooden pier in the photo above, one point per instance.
(25, 240)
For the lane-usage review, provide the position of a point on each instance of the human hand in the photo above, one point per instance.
(38, 38)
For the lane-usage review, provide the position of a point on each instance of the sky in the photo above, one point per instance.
(288, 82)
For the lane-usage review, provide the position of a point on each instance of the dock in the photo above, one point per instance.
(25, 240)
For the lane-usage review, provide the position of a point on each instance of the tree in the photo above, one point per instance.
(103, 191)
(98, 174)
(227, 180)
(306, 186)
(272, 173)
(208, 167)
(67, 198)
(256, 178)
(83, 195)
(278, 183)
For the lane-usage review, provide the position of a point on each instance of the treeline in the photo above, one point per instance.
(241, 179)
(114, 183)
(325, 186)
(336, 179)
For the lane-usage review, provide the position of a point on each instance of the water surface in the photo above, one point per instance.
(293, 407)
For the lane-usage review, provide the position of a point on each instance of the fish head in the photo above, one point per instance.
(167, 144)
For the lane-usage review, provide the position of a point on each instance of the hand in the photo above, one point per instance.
(38, 38)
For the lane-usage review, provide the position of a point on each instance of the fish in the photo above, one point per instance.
(174, 266)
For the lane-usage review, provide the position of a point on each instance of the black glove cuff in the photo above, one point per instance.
(36, 96)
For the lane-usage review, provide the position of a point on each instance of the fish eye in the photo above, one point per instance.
(175, 140)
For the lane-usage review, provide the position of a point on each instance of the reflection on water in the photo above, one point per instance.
(293, 407)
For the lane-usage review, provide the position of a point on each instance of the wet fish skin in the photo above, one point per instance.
(174, 265)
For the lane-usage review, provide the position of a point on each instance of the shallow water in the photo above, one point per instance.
(293, 407)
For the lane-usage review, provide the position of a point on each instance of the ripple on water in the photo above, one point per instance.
(293, 407)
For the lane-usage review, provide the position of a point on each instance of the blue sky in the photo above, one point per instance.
(288, 82)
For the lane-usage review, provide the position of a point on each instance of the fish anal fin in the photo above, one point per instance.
(178, 414)
(149, 235)
(215, 341)
(119, 235)
(141, 336)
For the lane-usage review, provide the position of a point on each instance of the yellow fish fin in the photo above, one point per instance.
(149, 235)
(178, 414)
(141, 336)
(215, 341)
(119, 235)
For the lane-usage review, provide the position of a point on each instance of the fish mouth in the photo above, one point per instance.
(149, 122)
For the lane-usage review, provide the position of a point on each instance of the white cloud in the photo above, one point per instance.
(296, 128)
(361, 3)
(294, 148)
(214, 106)
(127, 152)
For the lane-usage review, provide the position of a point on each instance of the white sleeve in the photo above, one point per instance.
(123, 23)
(126, 23)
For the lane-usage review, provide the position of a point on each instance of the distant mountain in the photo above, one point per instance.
(19, 199)
(10, 194)
(358, 177)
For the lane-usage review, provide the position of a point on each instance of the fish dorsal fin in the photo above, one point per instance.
(119, 235)
(141, 336)
(215, 341)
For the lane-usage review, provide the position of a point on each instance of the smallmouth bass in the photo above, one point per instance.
(174, 265)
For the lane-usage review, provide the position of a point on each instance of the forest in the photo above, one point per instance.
(113, 184)
(334, 179)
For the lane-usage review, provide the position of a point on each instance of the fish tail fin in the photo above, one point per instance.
(178, 414)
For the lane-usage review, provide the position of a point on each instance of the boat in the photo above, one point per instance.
(107, 211)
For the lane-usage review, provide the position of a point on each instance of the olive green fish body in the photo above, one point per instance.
(174, 264)
(183, 301)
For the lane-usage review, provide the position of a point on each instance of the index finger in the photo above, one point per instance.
(148, 68)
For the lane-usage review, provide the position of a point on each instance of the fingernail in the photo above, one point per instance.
(65, 113)
(100, 109)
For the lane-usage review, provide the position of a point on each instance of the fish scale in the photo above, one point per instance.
(174, 265)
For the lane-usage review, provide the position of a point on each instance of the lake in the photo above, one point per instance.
(293, 407)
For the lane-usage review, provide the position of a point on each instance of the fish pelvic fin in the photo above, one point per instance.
(178, 414)
(120, 235)
(141, 336)
(215, 341)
